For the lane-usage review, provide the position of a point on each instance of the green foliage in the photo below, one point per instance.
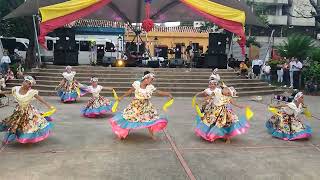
(18, 27)
(298, 45)
(313, 71)
(252, 41)
(274, 63)
(315, 55)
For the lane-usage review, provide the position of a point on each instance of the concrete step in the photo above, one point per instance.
(132, 79)
(141, 69)
(156, 83)
(106, 71)
(137, 76)
(166, 88)
(175, 94)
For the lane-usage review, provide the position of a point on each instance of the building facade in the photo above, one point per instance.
(285, 17)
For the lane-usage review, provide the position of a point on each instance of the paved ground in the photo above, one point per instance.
(83, 148)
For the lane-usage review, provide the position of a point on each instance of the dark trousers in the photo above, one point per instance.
(296, 79)
(286, 77)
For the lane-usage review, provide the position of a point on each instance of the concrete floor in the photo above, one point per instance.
(81, 148)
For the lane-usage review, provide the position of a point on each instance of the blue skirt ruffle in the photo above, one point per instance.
(306, 133)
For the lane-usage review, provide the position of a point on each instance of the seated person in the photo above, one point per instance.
(20, 71)
(243, 69)
(9, 75)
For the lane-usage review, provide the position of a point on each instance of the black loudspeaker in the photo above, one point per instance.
(72, 58)
(161, 51)
(132, 47)
(67, 41)
(65, 58)
(217, 43)
(216, 61)
(178, 51)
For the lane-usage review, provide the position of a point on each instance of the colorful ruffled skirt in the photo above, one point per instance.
(220, 122)
(26, 125)
(288, 128)
(70, 92)
(138, 115)
(97, 106)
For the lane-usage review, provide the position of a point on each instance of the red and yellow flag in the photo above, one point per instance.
(226, 17)
(58, 15)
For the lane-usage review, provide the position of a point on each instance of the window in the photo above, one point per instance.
(84, 45)
(110, 47)
(50, 45)
(20, 46)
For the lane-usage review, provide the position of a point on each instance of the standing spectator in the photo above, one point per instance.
(280, 71)
(5, 61)
(267, 72)
(256, 66)
(20, 71)
(295, 71)
(286, 73)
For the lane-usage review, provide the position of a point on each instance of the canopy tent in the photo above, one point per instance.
(229, 14)
(171, 10)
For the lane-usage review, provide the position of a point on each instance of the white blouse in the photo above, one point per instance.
(209, 91)
(292, 109)
(140, 93)
(95, 91)
(69, 76)
(23, 100)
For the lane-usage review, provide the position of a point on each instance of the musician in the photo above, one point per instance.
(189, 53)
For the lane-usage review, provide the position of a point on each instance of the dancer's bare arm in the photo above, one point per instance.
(129, 92)
(39, 98)
(163, 93)
(236, 105)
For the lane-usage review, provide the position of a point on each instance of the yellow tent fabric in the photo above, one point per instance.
(218, 10)
(62, 9)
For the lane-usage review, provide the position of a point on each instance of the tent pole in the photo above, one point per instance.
(34, 17)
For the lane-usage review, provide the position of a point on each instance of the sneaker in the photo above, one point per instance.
(285, 86)
(291, 87)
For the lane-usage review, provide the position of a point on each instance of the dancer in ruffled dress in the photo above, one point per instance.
(209, 93)
(69, 90)
(288, 123)
(215, 75)
(97, 105)
(26, 124)
(140, 113)
(219, 120)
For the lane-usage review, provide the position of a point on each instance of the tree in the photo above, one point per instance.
(18, 27)
(298, 45)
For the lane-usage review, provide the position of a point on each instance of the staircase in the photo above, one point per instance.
(180, 82)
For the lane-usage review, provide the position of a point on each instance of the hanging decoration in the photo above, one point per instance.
(147, 23)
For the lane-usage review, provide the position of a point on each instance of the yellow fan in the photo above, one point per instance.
(194, 101)
(199, 111)
(274, 111)
(307, 113)
(49, 113)
(249, 113)
(167, 104)
(115, 106)
(115, 94)
(78, 91)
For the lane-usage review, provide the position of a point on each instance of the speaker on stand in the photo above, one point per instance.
(216, 56)
(66, 48)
